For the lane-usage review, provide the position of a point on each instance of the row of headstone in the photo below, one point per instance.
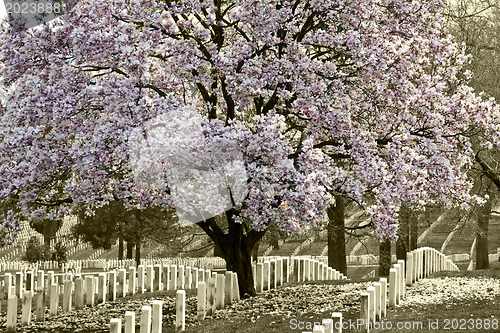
(424, 261)
(20, 248)
(47, 290)
(363, 259)
(369, 259)
(374, 299)
(24, 235)
(75, 248)
(301, 246)
(151, 317)
(370, 275)
(40, 288)
(270, 248)
(14, 252)
(214, 290)
(459, 257)
(419, 264)
(22, 266)
(306, 269)
(27, 232)
(269, 274)
(213, 294)
(106, 265)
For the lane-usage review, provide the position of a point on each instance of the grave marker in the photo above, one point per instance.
(180, 311)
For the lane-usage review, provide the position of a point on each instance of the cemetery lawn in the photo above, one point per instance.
(471, 298)
(462, 316)
(265, 324)
(458, 313)
(295, 307)
(432, 313)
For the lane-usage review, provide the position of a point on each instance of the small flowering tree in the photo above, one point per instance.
(476, 24)
(257, 110)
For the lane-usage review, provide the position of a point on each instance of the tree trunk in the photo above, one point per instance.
(274, 241)
(403, 232)
(130, 249)
(255, 251)
(427, 216)
(384, 258)
(49, 231)
(138, 253)
(238, 259)
(413, 233)
(483, 221)
(236, 247)
(336, 236)
(217, 251)
(120, 248)
(46, 233)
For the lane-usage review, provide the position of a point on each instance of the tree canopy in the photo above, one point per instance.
(365, 99)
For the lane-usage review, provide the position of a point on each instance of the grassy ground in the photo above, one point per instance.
(466, 316)
(463, 310)
(266, 323)
(432, 318)
(285, 249)
(459, 316)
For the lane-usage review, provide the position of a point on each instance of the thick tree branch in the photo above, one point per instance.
(253, 236)
(488, 171)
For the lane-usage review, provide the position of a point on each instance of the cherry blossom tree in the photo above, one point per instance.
(476, 24)
(304, 100)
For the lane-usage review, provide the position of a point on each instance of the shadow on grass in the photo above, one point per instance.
(264, 323)
(460, 316)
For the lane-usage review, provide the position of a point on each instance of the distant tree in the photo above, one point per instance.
(36, 251)
(46, 227)
(113, 221)
(101, 229)
(476, 24)
(59, 253)
(482, 226)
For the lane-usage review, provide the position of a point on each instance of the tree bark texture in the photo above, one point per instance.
(413, 233)
(130, 250)
(336, 236)
(236, 247)
(138, 253)
(384, 258)
(483, 221)
(120, 248)
(402, 243)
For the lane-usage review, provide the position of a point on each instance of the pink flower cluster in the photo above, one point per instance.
(356, 98)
